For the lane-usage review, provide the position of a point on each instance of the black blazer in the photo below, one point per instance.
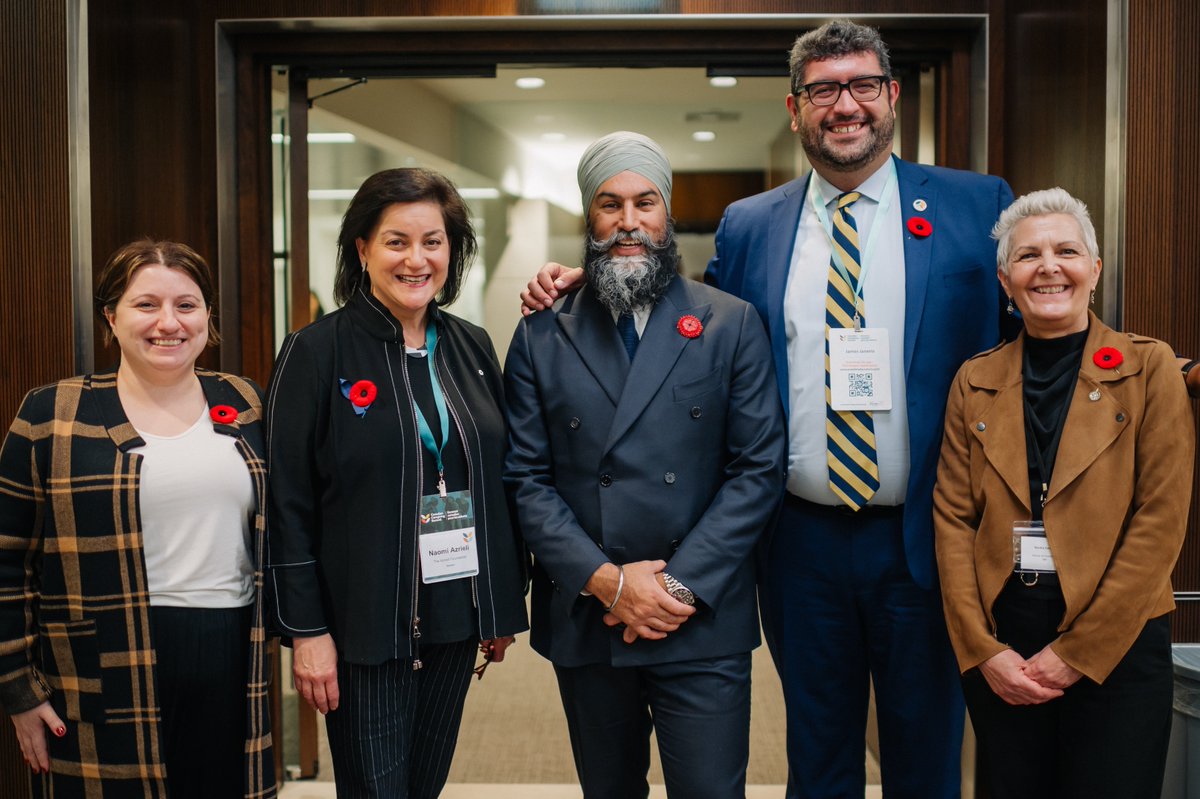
(344, 488)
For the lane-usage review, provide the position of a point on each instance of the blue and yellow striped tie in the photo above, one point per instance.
(853, 465)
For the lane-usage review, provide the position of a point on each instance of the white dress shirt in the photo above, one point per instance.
(804, 322)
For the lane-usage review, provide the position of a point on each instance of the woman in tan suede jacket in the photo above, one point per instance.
(1060, 508)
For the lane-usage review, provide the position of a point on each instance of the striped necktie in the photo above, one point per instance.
(853, 465)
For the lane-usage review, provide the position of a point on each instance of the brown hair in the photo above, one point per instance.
(119, 270)
(376, 195)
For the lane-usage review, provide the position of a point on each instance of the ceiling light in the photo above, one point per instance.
(482, 193)
(332, 194)
(530, 83)
(553, 135)
(317, 138)
(703, 135)
(722, 81)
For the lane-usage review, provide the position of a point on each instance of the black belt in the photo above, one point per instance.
(843, 510)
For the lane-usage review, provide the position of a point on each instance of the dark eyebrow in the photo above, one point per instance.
(647, 193)
(433, 232)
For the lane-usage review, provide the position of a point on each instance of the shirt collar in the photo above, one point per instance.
(871, 188)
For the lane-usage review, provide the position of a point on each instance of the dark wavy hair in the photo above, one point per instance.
(118, 273)
(836, 39)
(383, 190)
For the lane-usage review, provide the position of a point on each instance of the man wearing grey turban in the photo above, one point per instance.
(646, 458)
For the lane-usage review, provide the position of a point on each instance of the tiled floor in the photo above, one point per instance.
(324, 790)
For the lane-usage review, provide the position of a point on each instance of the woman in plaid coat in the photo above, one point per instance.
(131, 536)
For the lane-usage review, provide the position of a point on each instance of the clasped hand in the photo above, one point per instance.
(1028, 682)
(644, 607)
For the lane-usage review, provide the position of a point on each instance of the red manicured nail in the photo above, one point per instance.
(60, 732)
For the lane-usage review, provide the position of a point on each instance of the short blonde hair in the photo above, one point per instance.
(1042, 203)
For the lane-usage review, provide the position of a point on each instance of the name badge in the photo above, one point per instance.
(859, 369)
(446, 537)
(1031, 549)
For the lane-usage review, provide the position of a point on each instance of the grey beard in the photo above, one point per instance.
(623, 283)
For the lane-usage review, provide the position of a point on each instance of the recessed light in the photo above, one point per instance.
(553, 135)
(530, 83)
(722, 81)
(703, 135)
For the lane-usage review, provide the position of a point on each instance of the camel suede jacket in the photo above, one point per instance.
(1116, 512)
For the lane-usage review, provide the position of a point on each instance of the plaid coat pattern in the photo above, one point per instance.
(74, 606)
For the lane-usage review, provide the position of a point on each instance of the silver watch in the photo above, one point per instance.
(678, 590)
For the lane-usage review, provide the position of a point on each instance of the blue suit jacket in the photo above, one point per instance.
(678, 456)
(952, 303)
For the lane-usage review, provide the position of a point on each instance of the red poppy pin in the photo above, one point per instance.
(689, 326)
(223, 414)
(1108, 358)
(360, 393)
(919, 226)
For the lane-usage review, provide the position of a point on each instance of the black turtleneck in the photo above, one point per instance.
(1049, 370)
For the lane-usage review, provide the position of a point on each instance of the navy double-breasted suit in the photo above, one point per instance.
(676, 456)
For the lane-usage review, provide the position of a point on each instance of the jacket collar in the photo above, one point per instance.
(217, 391)
(373, 316)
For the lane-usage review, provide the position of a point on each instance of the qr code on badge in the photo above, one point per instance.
(862, 384)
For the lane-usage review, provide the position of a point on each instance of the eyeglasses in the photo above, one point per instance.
(827, 92)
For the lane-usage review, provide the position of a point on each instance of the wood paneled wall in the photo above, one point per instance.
(36, 345)
(1162, 238)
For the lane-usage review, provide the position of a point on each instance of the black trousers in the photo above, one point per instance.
(698, 709)
(201, 675)
(395, 729)
(1106, 741)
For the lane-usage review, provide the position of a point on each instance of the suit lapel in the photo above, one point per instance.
(589, 327)
(781, 241)
(660, 348)
(914, 185)
(1093, 424)
(1003, 435)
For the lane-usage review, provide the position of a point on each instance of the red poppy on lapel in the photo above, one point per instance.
(223, 414)
(919, 226)
(1108, 358)
(689, 326)
(361, 394)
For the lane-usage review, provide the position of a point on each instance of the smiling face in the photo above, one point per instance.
(407, 257)
(627, 203)
(1050, 275)
(848, 136)
(160, 322)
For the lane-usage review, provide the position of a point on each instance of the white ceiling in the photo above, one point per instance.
(583, 104)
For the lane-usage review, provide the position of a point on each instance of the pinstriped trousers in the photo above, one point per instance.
(394, 732)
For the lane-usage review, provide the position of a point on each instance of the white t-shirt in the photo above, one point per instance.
(196, 498)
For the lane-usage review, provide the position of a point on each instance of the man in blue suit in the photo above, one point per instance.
(850, 586)
(646, 460)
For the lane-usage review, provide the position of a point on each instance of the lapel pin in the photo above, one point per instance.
(919, 204)
(1095, 395)
(689, 326)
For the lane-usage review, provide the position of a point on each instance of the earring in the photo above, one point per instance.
(1092, 301)
(364, 266)
(1010, 309)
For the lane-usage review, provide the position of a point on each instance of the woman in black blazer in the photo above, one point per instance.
(392, 554)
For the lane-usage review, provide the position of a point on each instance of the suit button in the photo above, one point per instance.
(981, 427)
(1120, 417)
(695, 411)
(669, 478)
(575, 423)
(606, 480)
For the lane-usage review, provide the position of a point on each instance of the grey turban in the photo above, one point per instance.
(620, 152)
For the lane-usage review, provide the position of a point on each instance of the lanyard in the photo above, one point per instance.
(885, 203)
(439, 402)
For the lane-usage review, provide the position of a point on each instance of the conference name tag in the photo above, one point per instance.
(859, 369)
(1031, 548)
(446, 537)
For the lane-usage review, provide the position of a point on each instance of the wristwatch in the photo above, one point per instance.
(678, 590)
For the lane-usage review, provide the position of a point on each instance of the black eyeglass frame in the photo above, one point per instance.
(806, 89)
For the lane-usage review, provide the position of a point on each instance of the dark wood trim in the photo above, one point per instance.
(297, 216)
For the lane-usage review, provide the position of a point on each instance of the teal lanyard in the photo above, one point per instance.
(440, 403)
